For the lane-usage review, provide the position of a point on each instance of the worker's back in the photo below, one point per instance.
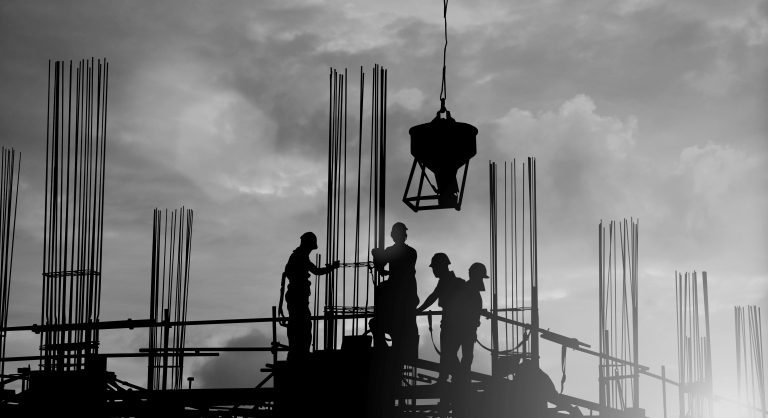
(452, 301)
(402, 261)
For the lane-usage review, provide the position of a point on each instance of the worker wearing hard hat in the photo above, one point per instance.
(470, 307)
(298, 270)
(398, 294)
(448, 294)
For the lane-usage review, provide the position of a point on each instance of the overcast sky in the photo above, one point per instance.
(648, 109)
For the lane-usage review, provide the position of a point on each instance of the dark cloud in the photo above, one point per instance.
(236, 369)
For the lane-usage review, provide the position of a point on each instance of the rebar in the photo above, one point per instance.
(169, 294)
(9, 202)
(73, 226)
(342, 299)
(515, 250)
(694, 361)
(749, 358)
(618, 316)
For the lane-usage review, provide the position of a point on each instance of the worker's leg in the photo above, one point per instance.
(299, 327)
(405, 338)
(449, 346)
(468, 338)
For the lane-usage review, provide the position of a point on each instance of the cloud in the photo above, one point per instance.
(714, 168)
(236, 369)
(411, 98)
(588, 158)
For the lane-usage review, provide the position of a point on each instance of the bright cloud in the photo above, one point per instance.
(715, 168)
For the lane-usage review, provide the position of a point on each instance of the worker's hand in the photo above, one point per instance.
(376, 252)
(335, 264)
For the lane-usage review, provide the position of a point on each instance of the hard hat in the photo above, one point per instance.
(439, 259)
(398, 226)
(309, 238)
(478, 269)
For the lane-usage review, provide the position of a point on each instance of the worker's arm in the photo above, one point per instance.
(433, 297)
(380, 259)
(324, 270)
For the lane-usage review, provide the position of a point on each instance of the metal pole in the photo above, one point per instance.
(166, 331)
(533, 244)
(664, 390)
(274, 337)
(708, 354)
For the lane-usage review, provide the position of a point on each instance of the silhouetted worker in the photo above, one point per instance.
(298, 271)
(469, 305)
(449, 293)
(398, 296)
(395, 314)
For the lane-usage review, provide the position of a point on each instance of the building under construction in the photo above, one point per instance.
(71, 372)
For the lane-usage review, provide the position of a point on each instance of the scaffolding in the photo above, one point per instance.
(342, 377)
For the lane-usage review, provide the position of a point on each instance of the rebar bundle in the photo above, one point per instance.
(169, 293)
(9, 202)
(74, 212)
(520, 294)
(345, 296)
(694, 349)
(618, 334)
(749, 359)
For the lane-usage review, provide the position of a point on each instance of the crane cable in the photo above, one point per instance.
(443, 86)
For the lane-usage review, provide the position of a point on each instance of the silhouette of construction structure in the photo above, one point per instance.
(347, 373)
(10, 169)
(750, 372)
(169, 293)
(618, 320)
(694, 346)
(74, 214)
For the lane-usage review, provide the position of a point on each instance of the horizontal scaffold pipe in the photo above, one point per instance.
(129, 323)
(720, 398)
(214, 349)
(562, 340)
(108, 355)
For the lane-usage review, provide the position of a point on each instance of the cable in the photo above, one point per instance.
(443, 86)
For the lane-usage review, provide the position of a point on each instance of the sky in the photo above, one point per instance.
(645, 109)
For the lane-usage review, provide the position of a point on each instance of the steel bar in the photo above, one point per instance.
(618, 313)
(749, 352)
(108, 355)
(73, 214)
(214, 349)
(356, 279)
(169, 294)
(9, 202)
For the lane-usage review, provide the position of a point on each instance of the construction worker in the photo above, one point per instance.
(398, 295)
(448, 292)
(298, 270)
(470, 307)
